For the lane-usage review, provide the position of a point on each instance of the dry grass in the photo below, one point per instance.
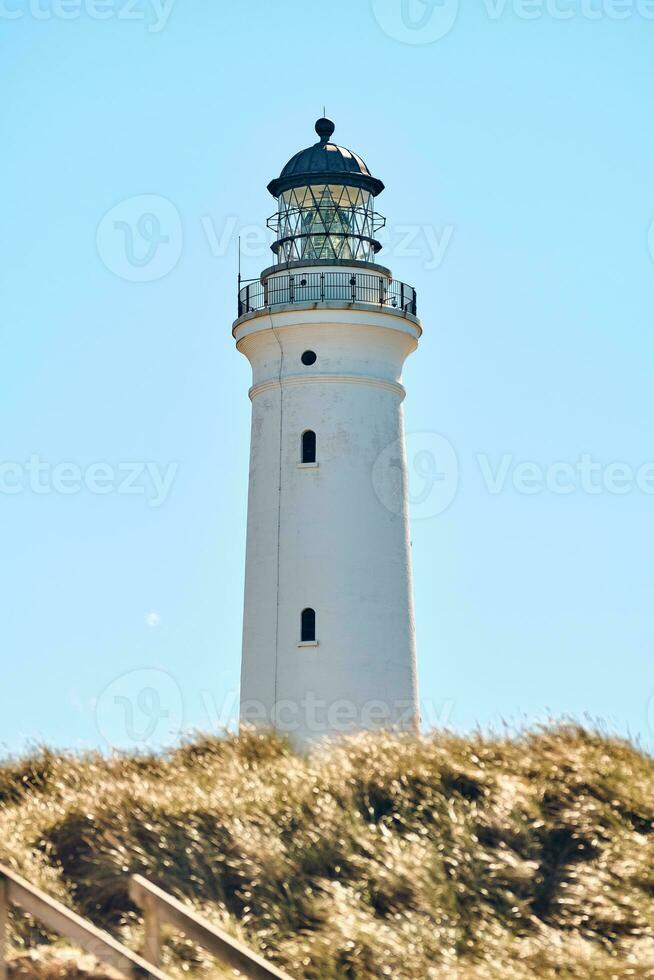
(382, 856)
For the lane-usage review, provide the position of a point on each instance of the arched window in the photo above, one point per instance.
(308, 446)
(308, 626)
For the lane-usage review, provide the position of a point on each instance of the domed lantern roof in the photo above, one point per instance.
(325, 229)
(325, 162)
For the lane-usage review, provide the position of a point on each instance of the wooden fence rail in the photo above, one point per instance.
(55, 916)
(160, 908)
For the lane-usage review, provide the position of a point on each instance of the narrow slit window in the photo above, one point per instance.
(308, 446)
(308, 626)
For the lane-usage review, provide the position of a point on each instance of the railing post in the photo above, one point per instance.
(381, 291)
(4, 926)
(224, 947)
(291, 289)
(402, 297)
(152, 943)
(322, 287)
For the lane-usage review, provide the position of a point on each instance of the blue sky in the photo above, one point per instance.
(517, 148)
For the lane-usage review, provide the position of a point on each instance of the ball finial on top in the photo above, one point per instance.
(325, 128)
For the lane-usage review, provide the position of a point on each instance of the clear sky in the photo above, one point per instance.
(516, 144)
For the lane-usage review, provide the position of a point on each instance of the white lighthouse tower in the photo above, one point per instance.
(328, 633)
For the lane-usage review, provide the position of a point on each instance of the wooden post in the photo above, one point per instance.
(171, 912)
(57, 918)
(152, 944)
(4, 926)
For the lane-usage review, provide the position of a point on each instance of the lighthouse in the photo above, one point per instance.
(328, 630)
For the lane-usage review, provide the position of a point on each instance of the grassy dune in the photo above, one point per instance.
(444, 857)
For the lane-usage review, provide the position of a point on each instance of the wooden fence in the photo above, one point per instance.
(159, 909)
(55, 916)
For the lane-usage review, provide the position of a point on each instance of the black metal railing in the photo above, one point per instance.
(327, 287)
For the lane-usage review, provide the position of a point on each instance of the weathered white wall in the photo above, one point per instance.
(321, 536)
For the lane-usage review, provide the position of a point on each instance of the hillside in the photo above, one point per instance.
(445, 857)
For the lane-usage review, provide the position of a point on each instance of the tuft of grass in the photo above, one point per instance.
(377, 856)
